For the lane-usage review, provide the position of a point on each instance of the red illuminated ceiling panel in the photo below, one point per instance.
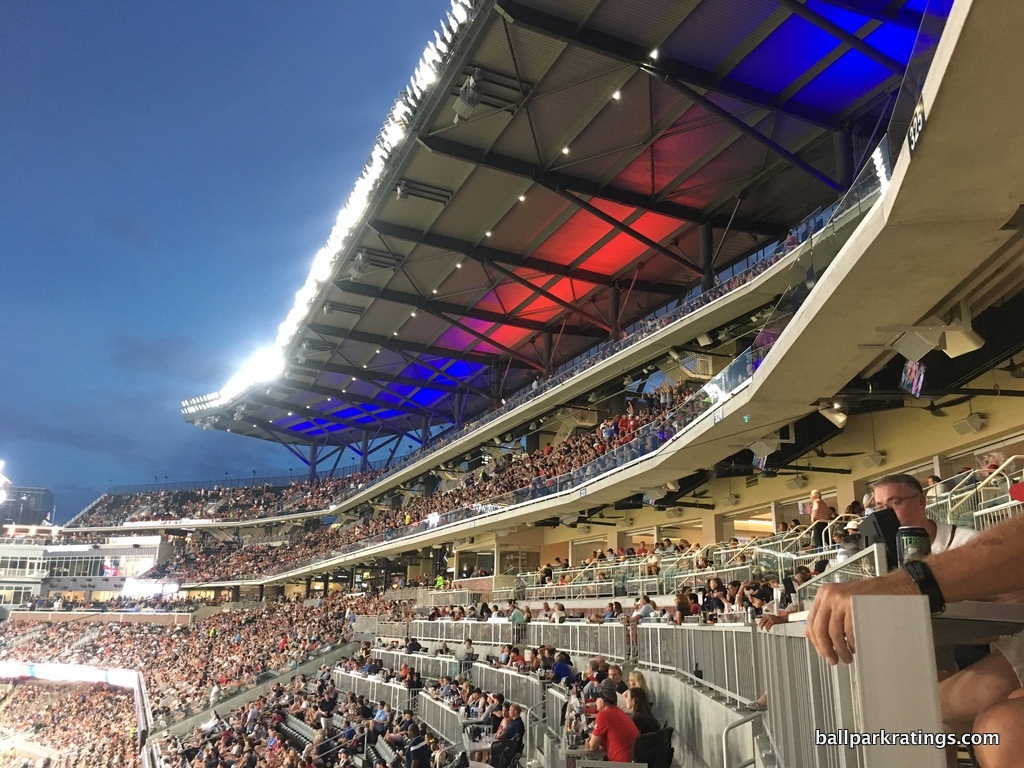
(581, 232)
(624, 249)
(576, 235)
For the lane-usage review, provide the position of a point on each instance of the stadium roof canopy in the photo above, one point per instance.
(555, 172)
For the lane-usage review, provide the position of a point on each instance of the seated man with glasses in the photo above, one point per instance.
(904, 495)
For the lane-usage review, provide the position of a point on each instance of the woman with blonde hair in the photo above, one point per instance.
(636, 679)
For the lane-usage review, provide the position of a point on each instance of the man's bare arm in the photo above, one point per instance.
(964, 573)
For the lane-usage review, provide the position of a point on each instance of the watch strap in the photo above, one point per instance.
(925, 581)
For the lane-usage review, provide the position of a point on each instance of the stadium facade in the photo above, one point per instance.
(613, 278)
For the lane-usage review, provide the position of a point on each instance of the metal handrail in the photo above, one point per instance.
(725, 740)
(997, 472)
(969, 475)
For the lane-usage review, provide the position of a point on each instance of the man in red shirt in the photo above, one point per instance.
(614, 730)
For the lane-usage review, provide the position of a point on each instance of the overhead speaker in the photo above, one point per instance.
(704, 340)
(730, 501)
(875, 459)
(960, 342)
(796, 483)
(974, 422)
(765, 446)
(913, 345)
(838, 418)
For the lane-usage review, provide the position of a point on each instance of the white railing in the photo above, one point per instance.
(721, 657)
(524, 689)
(580, 639)
(976, 491)
(808, 696)
(416, 594)
(429, 667)
(440, 718)
(870, 561)
(374, 689)
(483, 632)
(986, 518)
(805, 694)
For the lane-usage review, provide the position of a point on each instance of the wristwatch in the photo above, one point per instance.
(925, 580)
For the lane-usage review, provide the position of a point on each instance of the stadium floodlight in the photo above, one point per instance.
(469, 97)
(268, 363)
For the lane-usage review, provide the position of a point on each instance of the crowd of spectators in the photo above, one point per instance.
(251, 736)
(169, 603)
(217, 503)
(188, 667)
(245, 503)
(87, 725)
(615, 441)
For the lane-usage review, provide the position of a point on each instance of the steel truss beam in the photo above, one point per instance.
(902, 17)
(747, 130)
(487, 255)
(311, 414)
(451, 308)
(335, 394)
(395, 343)
(555, 180)
(365, 374)
(626, 52)
(614, 223)
(847, 38)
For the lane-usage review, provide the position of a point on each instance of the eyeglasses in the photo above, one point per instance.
(899, 500)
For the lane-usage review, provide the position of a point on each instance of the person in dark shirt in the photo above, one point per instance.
(414, 683)
(509, 737)
(413, 646)
(417, 753)
(639, 706)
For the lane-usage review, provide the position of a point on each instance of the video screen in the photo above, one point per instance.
(912, 379)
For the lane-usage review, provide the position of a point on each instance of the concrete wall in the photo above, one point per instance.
(699, 721)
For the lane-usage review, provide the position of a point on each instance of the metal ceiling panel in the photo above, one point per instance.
(534, 54)
(621, 127)
(714, 29)
(648, 25)
(522, 224)
(480, 204)
(577, 11)
(580, 232)
(480, 130)
(624, 249)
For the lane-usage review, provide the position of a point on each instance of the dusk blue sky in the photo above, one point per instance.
(168, 172)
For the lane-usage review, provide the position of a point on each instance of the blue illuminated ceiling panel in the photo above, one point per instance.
(787, 53)
(845, 82)
(841, 17)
